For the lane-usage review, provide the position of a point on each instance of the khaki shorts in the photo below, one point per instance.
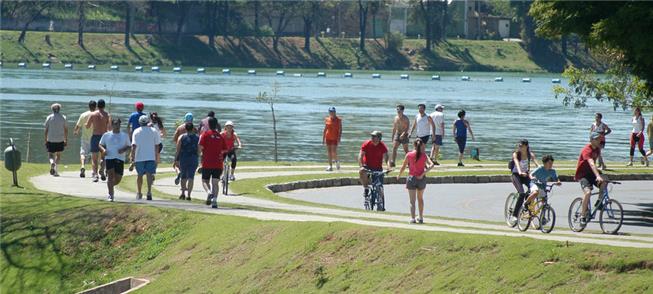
(401, 140)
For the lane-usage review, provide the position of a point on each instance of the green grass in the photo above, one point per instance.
(57, 244)
(330, 53)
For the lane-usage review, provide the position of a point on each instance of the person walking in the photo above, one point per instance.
(438, 120)
(100, 121)
(180, 130)
(231, 138)
(85, 138)
(400, 127)
(212, 149)
(113, 145)
(331, 136)
(204, 123)
(424, 125)
(598, 126)
(145, 155)
(56, 137)
(157, 124)
(460, 128)
(186, 159)
(418, 165)
(649, 132)
(637, 136)
(133, 123)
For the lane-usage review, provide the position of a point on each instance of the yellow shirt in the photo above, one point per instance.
(81, 123)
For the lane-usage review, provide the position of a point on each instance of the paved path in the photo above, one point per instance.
(70, 184)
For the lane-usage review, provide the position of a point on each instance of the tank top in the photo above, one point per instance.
(638, 124)
(599, 128)
(332, 128)
(229, 141)
(461, 128)
(423, 127)
(188, 147)
(415, 166)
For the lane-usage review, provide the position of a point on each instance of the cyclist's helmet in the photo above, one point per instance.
(377, 134)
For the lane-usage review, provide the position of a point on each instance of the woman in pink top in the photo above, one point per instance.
(416, 183)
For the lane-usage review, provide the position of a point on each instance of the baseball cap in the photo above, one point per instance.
(376, 134)
(139, 105)
(332, 109)
(439, 106)
(55, 105)
(143, 120)
(229, 123)
(595, 136)
(188, 117)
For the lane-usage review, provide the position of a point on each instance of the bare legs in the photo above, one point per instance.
(419, 194)
(139, 183)
(114, 179)
(332, 155)
(395, 146)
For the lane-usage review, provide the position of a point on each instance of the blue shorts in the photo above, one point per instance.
(425, 139)
(437, 140)
(461, 141)
(95, 143)
(145, 167)
(187, 168)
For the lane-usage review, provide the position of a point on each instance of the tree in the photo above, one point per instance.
(375, 7)
(433, 15)
(310, 11)
(27, 12)
(363, 7)
(211, 10)
(622, 30)
(182, 8)
(533, 42)
(281, 12)
(129, 9)
(81, 19)
(264, 97)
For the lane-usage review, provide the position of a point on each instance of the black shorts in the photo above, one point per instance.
(523, 180)
(54, 146)
(207, 173)
(117, 165)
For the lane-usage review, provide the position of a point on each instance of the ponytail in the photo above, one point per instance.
(418, 148)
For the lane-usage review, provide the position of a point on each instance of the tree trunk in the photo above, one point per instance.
(427, 25)
(80, 24)
(181, 21)
(308, 24)
(210, 25)
(274, 128)
(159, 21)
(257, 6)
(563, 46)
(362, 18)
(374, 25)
(23, 32)
(128, 23)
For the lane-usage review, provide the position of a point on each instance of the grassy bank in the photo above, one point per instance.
(57, 244)
(470, 55)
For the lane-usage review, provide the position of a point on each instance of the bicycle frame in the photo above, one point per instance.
(603, 201)
(543, 200)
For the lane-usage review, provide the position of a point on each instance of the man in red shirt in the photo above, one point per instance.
(372, 155)
(587, 173)
(212, 148)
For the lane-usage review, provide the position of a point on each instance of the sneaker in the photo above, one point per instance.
(641, 160)
(329, 168)
(392, 164)
(149, 196)
(52, 169)
(139, 196)
(232, 177)
(460, 164)
(188, 198)
(56, 174)
(103, 176)
(435, 162)
(178, 179)
(209, 197)
(412, 221)
(95, 179)
(110, 198)
(214, 205)
(338, 165)
(182, 196)
(131, 167)
(82, 172)
(420, 220)
(513, 219)
(630, 163)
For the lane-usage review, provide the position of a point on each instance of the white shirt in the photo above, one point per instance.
(146, 140)
(438, 120)
(423, 126)
(638, 124)
(55, 123)
(114, 142)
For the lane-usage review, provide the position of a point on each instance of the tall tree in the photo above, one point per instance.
(375, 7)
(28, 11)
(211, 10)
(257, 8)
(533, 43)
(81, 20)
(363, 7)
(280, 12)
(129, 17)
(182, 7)
(310, 12)
(433, 15)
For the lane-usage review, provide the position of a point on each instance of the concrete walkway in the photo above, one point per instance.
(70, 184)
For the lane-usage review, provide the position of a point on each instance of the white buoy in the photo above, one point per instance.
(404, 77)
(348, 75)
(91, 66)
(465, 78)
(138, 68)
(526, 80)
(280, 73)
(68, 66)
(155, 69)
(298, 75)
(22, 65)
(321, 74)
(498, 79)
(176, 69)
(115, 67)
(201, 70)
(555, 81)
(435, 77)
(226, 71)
(251, 72)
(376, 76)
(0, 63)
(45, 65)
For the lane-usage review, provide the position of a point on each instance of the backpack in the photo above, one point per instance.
(511, 163)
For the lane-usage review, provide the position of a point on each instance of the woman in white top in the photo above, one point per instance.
(637, 136)
(157, 123)
(600, 127)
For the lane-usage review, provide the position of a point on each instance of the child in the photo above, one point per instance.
(540, 176)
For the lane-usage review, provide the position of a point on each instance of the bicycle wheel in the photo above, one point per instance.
(611, 217)
(547, 219)
(225, 180)
(523, 220)
(535, 216)
(575, 214)
(509, 208)
(373, 197)
(380, 199)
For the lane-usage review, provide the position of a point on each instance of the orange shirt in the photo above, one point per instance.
(332, 128)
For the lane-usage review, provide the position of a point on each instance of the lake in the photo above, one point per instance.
(500, 112)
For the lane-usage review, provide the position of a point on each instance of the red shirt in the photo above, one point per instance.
(583, 168)
(213, 148)
(332, 128)
(373, 157)
(230, 141)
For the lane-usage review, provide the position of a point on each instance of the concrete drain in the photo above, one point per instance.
(125, 285)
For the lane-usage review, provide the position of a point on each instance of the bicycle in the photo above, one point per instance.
(541, 211)
(509, 208)
(612, 212)
(226, 173)
(376, 196)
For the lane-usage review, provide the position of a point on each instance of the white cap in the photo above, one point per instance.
(439, 106)
(143, 120)
(229, 123)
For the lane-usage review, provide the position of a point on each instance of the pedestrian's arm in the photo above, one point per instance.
(178, 148)
(453, 129)
(340, 130)
(469, 127)
(163, 131)
(442, 126)
(109, 126)
(394, 128)
(403, 167)
(592, 164)
(361, 154)
(46, 133)
(412, 129)
(156, 153)
(386, 159)
(608, 131)
(432, 127)
(240, 144)
(89, 121)
(133, 153)
(65, 134)
(103, 148)
(324, 134)
(175, 136)
(534, 159)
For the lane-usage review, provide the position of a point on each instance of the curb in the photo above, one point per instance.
(339, 182)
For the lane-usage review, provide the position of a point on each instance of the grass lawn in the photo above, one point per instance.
(57, 244)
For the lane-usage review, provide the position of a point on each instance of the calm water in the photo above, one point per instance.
(499, 113)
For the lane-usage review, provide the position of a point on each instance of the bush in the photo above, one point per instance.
(394, 41)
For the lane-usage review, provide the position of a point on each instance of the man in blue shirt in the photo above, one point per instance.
(133, 118)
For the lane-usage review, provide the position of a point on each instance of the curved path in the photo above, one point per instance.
(70, 184)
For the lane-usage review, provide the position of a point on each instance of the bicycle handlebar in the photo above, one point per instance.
(377, 172)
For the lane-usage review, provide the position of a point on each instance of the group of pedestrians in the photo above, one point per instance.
(102, 140)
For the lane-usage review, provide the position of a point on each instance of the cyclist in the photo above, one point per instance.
(540, 176)
(520, 166)
(587, 173)
(230, 137)
(371, 156)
